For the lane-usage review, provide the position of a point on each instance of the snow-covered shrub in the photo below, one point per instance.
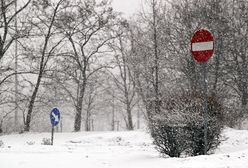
(46, 141)
(179, 128)
(195, 125)
(30, 142)
(196, 141)
(169, 140)
(1, 143)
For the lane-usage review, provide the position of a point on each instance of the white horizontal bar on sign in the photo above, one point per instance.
(202, 46)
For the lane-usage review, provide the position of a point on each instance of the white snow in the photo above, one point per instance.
(130, 149)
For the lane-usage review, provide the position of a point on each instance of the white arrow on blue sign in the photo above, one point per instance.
(55, 116)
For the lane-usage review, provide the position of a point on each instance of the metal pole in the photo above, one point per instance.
(52, 135)
(205, 113)
(61, 125)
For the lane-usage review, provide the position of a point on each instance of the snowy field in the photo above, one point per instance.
(132, 149)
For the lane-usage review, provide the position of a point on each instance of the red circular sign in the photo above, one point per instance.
(202, 45)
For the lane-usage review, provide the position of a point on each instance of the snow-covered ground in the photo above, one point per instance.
(132, 149)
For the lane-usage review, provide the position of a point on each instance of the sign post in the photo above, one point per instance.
(55, 118)
(202, 48)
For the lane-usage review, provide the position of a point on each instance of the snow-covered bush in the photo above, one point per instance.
(169, 140)
(46, 141)
(30, 142)
(196, 138)
(179, 128)
(1, 143)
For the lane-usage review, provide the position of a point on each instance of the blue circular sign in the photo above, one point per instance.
(55, 116)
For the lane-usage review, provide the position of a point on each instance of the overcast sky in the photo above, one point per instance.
(128, 7)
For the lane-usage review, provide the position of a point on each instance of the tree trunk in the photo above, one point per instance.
(78, 116)
(217, 68)
(113, 112)
(156, 59)
(129, 118)
(244, 101)
(138, 119)
(31, 104)
(242, 113)
(87, 121)
(127, 100)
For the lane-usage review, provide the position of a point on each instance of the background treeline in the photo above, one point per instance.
(108, 73)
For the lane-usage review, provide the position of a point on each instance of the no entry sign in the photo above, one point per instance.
(202, 45)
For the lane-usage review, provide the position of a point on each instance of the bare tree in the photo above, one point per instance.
(87, 32)
(149, 58)
(90, 102)
(10, 14)
(236, 69)
(124, 79)
(46, 25)
(7, 22)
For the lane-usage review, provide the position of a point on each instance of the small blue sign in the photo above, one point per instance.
(55, 116)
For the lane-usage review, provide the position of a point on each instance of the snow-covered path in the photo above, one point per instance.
(113, 150)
